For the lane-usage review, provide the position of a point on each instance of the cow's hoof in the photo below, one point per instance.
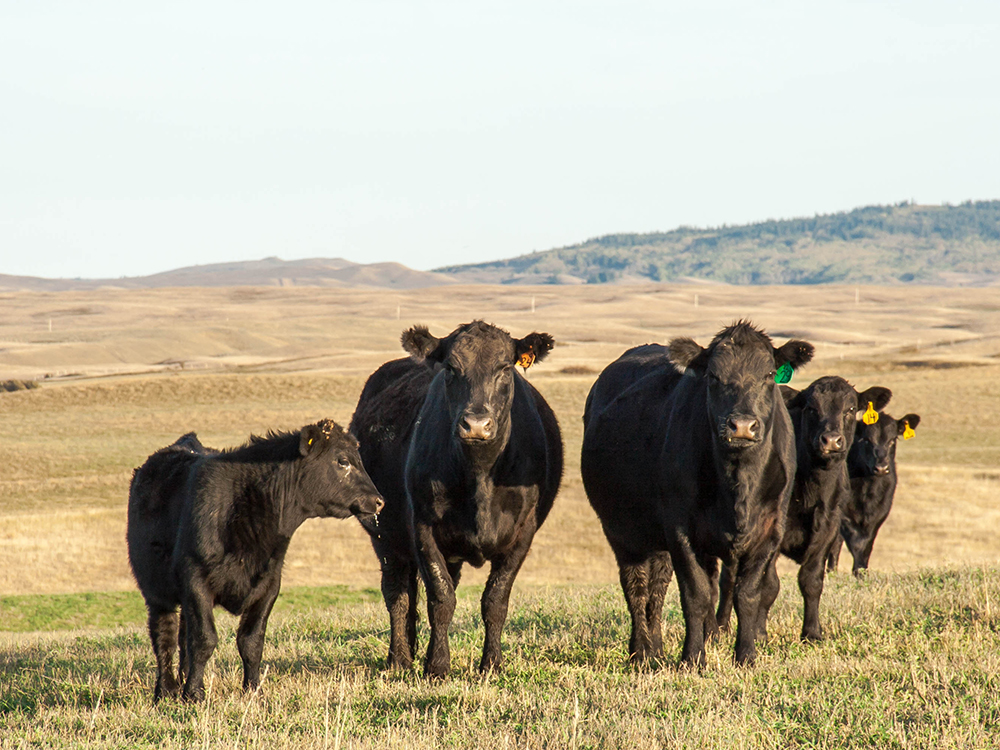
(396, 663)
(435, 672)
(491, 665)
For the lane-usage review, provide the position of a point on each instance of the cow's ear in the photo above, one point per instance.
(910, 419)
(420, 344)
(532, 348)
(877, 396)
(311, 439)
(686, 353)
(793, 398)
(794, 352)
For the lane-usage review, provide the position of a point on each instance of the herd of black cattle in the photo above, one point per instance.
(696, 461)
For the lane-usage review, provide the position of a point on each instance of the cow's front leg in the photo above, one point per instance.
(751, 617)
(199, 626)
(253, 625)
(496, 598)
(440, 600)
(696, 602)
(811, 578)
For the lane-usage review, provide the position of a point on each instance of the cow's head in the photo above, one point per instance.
(476, 363)
(738, 369)
(826, 414)
(875, 444)
(331, 475)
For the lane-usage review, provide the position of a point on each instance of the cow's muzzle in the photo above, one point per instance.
(831, 443)
(477, 427)
(742, 430)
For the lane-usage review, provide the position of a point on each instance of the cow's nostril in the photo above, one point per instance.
(476, 428)
(743, 427)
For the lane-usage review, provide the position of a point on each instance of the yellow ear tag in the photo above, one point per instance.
(527, 360)
(310, 441)
(908, 432)
(870, 416)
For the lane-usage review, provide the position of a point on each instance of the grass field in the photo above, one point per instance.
(911, 659)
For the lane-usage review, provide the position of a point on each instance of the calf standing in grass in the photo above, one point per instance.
(469, 457)
(689, 451)
(824, 416)
(872, 466)
(209, 528)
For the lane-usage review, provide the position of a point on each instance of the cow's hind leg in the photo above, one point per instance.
(770, 585)
(833, 556)
(635, 586)
(182, 663)
(253, 626)
(399, 590)
(199, 625)
(163, 634)
(660, 571)
(727, 581)
(496, 599)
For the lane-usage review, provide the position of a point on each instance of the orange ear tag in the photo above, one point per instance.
(870, 416)
(908, 432)
(527, 360)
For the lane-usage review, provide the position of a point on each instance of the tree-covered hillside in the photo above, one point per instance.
(905, 243)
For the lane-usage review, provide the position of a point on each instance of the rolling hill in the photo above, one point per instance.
(906, 243)
(876, 245)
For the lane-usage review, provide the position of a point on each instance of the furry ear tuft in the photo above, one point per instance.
(794, 352)
(312, 439)
(537, 345)
(877, 396)
(684, 352)
(419, 343)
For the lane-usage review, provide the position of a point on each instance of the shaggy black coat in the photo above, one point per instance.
(689, 452)
(872, 466)
(469, 458)
(824, 416)
(209, 528)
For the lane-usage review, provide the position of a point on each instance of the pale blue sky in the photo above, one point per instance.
(137, 138)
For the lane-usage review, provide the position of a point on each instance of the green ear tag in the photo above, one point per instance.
(784, 373)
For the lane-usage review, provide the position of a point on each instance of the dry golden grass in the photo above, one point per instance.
(228, 362)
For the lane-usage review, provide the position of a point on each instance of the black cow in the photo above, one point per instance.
(872, 466)
(469, 457)
(824, 416)
(698, 465)
(210, 528)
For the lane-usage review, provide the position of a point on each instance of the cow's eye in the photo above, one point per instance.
(343, 463)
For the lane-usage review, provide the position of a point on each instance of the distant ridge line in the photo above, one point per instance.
(875, 245)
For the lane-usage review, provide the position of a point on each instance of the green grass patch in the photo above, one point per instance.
(909, 661)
